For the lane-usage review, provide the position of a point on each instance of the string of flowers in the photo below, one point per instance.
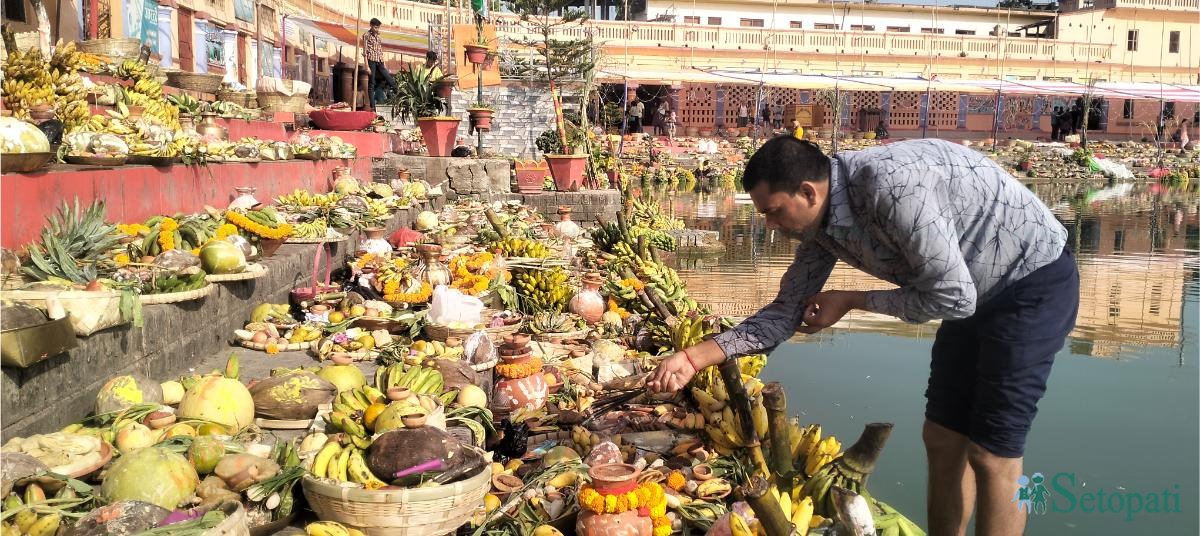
(243, 222)
(226, 230)
(676, 480)
(648, 499)
(121, 259)
(614, 306)
(392, 294)
(471, 284)
(133, 229)
(516, 371)
(166, 234)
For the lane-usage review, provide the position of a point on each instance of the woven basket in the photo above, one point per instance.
(235, 524)
(253, 270)
(202, 82)
(114, 48)
(240, 98)
(176, 297)
(291, 347)
(278, 102)
(441, 333)
(564, 336)
(429, 511)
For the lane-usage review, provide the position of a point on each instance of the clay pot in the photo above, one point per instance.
(702, 472)
(341, 358)
(612, 479)
(520, 340)
(530, 392)
(453, 342)
(588, 303)
(160, 419)
(413, 420)
(398, 393)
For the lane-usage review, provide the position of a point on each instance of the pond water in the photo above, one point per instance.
(1122, 407)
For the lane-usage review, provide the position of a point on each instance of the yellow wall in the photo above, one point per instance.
(1153, 26)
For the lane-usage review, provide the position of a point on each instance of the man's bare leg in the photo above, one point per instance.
(951, 481)
(996, 480)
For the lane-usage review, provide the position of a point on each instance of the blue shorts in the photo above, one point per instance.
(989, 370)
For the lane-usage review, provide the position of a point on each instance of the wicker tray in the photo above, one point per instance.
(565, 336)
(96, 161)
(176, 297)
(116, 47)
(312, 155)
(441, 333)
(324, 240)
(202, 82)
(253, 270)
(431, 511)
(24, 162)
(276, 424)
(278, 102)
(156, 161)
(291, 347)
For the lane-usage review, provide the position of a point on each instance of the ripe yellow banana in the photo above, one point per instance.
(802, 514)
(45, 526)
(359, 473)
(326, 455)
(738, 525)
(326, 528)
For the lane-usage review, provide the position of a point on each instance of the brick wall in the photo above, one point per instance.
(523, 111)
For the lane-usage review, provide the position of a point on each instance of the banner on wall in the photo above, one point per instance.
(133, 17)
(243, 10)
(150, 24)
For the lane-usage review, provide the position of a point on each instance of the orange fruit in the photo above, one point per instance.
(336, 317)
(372, 413)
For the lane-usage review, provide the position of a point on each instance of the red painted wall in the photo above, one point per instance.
(134, 193)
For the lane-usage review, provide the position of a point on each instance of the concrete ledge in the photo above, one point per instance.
(175, 338)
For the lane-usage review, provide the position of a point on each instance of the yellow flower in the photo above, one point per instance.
(226, 230)
(676, 480)
(121, 259)
(272, 349)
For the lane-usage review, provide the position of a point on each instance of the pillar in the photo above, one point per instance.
(719, 107)
(200, 43)
(252, 63)
(962, 112)
(277, 62)
(885, 106)
(673, 100)
(1039, 108)
(846, 110)
(166, 36)
(1104, 115)
(229, 40)
(998, 115)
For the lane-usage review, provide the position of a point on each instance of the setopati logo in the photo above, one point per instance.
(1038, 495)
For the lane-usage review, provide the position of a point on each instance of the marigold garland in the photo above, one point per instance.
(613, 306)
(676, 480)
(245, 223)
(226, 230)
(133, 229)
(121, 259)
(166, 234)
(471, 284)
(516, 371)
(635, 284)
(648, 495)
(422, 294)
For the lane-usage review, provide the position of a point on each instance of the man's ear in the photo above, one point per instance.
(808, 192)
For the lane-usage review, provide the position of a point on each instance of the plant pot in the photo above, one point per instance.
(530, 180)
(567, 170)
(445, 88)
(481, 118)
(438, 133)
(268, 246)
(613, 479)
(476, 54)
(529, 392)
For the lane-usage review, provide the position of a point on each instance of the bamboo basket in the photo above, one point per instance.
(240, 98)
(90, 311)
(113, 48)
(278, 102)
(253, 270)
(176, 297)
(290, 347)
(202, 82)
(440, 333)
(563, 336)
(430, 511)
(235, 523)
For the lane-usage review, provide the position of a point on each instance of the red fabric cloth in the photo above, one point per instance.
(404, 237)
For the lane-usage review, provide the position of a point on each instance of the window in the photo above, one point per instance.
(752, 23)
(1131, 41)
(796, 24)
(933, 30)
(14, 10)
(825, 26)
(1127, 109)
(1173, 43)
(862, 28)
(964, 32)
(691, 20)
(714, 21)
(901, 29)
(1169, 110)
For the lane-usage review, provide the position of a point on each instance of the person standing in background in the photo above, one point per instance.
(635, 116)
(743, 116)
(373, 50)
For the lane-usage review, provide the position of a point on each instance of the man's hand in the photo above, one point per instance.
(672, 374)
(824, 309)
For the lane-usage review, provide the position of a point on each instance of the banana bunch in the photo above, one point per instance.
(331, 528)
(131, 69)
(27, 521)
(665, 280)
(148, 87)
(606, 236)
(654, 237)
(812, 452)
(889, 522)
(174, 282)
(521, 247)
(651, 216)
(272, 312)
(584, 439)
(833, 472)
(317, 228)
(416, 378)
(192, 232)
(690, 330)
(423, 350)
(303, 200)
(348, 415)
(345, 464)
(185, 103)
(724, 429)
(547, 322)
(543, 290)
(31, 79)
(304, 333)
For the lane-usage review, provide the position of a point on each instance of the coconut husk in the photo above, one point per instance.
(109, 398)
(293, 396)
(403, 448)
(15, 467)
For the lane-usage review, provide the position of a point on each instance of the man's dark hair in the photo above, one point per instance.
(431, 55)
(783, 163)
(375, 22)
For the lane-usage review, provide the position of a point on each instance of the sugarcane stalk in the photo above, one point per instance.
(643, 248)
(731, 374)
(775, 400)
(622, 225)
(766, 508)
(862, 455)
(650, 298)
(497, 225)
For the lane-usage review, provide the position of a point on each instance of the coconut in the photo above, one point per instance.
(172, 392)
(345, 377)
(221, 257)
(404, 448)
(121, 392)
(427, 221)
(153, 474)
(472, 395)
(292, 396)
(240, 471)
(220, 400)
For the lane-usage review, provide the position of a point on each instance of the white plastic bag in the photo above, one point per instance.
(450, 305)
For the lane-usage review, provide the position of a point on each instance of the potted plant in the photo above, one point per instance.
(568, 162)
(481, 115)
(416, 99)
(444, 87)
(531, 175)
(477, 52)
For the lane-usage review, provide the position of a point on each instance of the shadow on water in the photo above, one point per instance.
(1122, 407)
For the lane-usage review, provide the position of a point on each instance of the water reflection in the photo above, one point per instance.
(1137, 248)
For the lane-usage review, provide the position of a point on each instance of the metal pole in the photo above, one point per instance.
(357, 43)
(479, 87)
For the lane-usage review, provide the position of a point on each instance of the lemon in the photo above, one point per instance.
(358, 310)
(491, 502)
(336, 317)
(367, 342)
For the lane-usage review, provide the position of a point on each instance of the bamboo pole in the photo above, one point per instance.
(357, 47)
(731, 374)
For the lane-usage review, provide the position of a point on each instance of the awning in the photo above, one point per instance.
(400, 41)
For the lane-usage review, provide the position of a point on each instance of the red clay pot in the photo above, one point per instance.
(567, 170)
(439, 133)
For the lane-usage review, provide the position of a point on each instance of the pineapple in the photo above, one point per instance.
(72, 243)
